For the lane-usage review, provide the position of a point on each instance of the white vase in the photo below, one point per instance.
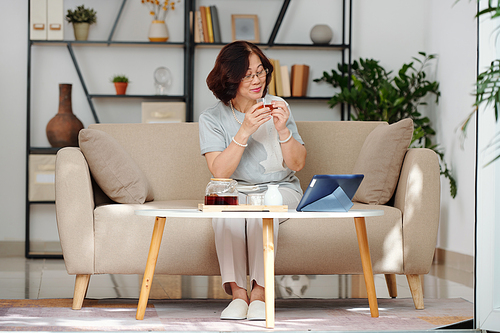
(273, 196)
(158, 31)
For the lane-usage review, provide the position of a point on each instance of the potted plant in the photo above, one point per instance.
(81, 18)
(487, 92)
(376, 95)
(121, 83)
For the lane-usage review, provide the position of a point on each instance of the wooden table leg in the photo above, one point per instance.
(154, 248)
(268, 234)
(366, 262)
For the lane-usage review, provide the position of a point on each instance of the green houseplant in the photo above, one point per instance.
(121, 83)
(375, 94)
(81, 18)
(488, 86)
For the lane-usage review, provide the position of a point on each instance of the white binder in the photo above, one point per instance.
(38, 17)
(55, 20)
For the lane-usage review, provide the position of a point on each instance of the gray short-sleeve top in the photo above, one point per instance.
(262, 161)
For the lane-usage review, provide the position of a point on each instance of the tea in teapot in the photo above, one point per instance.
(221, 191)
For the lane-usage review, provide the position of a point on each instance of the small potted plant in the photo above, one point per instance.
(81, 18)
(121, 83)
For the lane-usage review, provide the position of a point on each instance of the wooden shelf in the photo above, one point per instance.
(43, 150)
(282, 46)
(48, 202)
(169, 97)
(105, 43)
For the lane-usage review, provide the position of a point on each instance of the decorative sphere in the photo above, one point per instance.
(321, 34)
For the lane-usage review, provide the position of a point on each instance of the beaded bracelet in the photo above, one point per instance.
(239, 144)
(287, 139)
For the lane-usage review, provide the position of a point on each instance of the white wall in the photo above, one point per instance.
(391, 31)
(13, 32)
(451, 34)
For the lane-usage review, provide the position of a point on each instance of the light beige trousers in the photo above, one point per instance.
(240, 241)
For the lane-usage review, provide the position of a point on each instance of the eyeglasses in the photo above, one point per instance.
(260, 75)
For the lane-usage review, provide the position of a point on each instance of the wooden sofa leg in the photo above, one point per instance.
(81, 286)
(417, 294)
(392, 286)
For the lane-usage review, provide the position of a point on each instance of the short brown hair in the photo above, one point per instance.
(231, 66)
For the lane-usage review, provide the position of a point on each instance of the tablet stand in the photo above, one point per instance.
(337, 201)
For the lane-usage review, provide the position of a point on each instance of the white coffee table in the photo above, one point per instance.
(268, 237)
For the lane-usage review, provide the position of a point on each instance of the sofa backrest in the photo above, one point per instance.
(332, 146)
(169, 153)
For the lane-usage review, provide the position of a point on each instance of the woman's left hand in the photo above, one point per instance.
(280, 115)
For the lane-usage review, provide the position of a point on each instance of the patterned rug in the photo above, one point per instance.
(203, 315)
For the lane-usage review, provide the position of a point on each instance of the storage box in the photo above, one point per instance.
(38, 19)
(55, 20)
(163, 112)
(42, 174)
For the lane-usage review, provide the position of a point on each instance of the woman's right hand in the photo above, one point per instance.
(223, 164)
(255, 117)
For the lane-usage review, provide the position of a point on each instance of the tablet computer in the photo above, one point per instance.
(330, 193)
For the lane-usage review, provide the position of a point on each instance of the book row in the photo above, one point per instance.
(286, 84)
(207, 27)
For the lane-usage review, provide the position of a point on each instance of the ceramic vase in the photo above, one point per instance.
(321, 34)
(81, 31)
(121, 88)
(62, 130)
(158, 31)
(273, 196)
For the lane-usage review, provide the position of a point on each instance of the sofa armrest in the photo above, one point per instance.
(418, 198)
(75, 210)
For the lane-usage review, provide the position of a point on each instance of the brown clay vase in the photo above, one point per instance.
(62, 130)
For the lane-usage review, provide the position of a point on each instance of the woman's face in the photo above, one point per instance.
(252, 89)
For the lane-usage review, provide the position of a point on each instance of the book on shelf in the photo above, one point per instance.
(215, 24)
(279, 84)
(285, 80)
(204, 25)
(300, 79)
(209, 25)
(271, 89)
(196, 27)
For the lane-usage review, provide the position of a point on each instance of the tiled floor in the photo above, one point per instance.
(22, 278)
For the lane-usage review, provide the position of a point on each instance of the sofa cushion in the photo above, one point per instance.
(380, 161)
(113, 169)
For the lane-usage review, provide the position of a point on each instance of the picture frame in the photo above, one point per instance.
(245, 27)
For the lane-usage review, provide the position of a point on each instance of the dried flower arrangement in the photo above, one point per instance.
(159, 9)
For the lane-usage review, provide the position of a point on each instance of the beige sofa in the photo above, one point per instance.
(101, 237)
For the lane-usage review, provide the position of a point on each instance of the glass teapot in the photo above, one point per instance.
(221, 191)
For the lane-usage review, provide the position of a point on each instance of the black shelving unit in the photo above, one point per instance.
(344, 47)
(189, 64)
(70, 45)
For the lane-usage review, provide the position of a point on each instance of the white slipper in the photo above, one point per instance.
(257, 311)
(236, 310)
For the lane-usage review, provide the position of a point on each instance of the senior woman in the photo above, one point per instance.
(255, 145)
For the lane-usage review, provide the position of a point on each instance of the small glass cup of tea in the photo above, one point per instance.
(255, 199)
(268, 105)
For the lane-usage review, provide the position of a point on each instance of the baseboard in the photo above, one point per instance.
(17, 248)
(455, 260)
(11, 249)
